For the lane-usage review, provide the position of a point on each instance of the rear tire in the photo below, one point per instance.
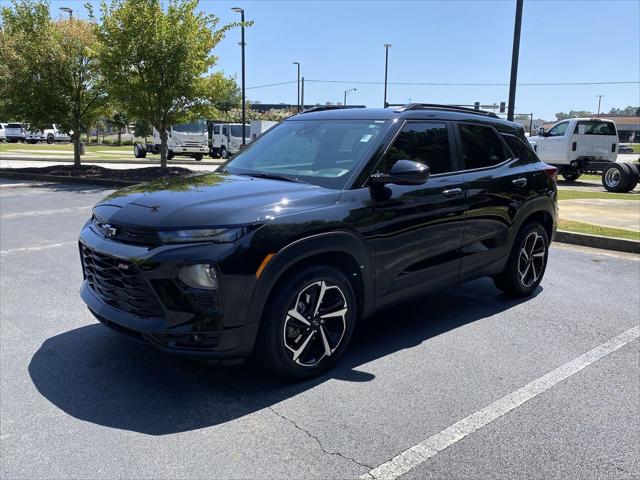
(527, 262)
(170, 155)
(309, 342)
(634, 173)
(50, 139)
(198, 157)
(615, 178)
(139, 150)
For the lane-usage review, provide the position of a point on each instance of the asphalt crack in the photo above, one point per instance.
(317, 440)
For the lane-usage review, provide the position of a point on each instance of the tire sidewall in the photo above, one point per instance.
(273, 351)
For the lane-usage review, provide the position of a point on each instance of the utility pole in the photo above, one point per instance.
(298, 64)
(244, 102)
(599, 100)
(302, 94)
(386, 70)
(515, 53)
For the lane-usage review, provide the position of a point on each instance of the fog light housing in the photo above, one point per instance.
(202, 276)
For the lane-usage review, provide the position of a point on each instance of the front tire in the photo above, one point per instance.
(571, 177)
(50, 139)
(308, 323)
(198, 157)
(527, 262)
(139, 150)
(224, 154)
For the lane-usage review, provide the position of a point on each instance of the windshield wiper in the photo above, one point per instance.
(273, 176)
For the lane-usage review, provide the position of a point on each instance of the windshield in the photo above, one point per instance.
(193, 127)
(320, 152)
(236, 131)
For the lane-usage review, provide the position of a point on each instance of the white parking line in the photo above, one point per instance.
(35, 213)
(13, 251)
(428, 448)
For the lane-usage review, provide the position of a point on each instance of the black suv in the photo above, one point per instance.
(329, 216)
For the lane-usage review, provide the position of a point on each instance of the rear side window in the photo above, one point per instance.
(422, 142)
(216, 129)
(520, 149)
(481, 146)
(595, 127)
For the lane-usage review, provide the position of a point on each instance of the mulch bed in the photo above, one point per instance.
(145, 174)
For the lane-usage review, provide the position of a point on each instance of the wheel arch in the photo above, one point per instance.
(541, 210)
(345, 251)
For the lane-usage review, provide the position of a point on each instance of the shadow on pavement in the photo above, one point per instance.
(98, 376)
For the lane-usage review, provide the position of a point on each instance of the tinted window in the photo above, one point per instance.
(426, 143)
(236, 131)
(595, 127)
(216, 129)
(14, 125)
(481, 147)
(558, 130)
(520, 149)
(225, 130)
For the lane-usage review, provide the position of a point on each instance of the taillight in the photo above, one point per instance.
(552, 173)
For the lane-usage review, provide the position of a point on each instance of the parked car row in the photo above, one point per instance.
(18, 132)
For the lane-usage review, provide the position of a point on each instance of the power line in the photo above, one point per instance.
(453, 84)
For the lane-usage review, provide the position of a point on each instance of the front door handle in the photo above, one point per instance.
(452, 192)
(520, 182)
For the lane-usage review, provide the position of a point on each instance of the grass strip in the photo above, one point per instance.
(579, 227)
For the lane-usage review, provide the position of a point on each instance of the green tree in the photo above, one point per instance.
(142, 128)
(628, 111)
(119, 121)
(48, 72)
(156, 56)
(573, 114)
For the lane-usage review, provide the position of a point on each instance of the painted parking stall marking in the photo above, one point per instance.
(37, 213)
(428, 448)
(14, 251)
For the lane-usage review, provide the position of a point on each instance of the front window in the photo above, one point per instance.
(320, 152)
(595, 127)
(193, 127)
(236, 131)
(558, 130)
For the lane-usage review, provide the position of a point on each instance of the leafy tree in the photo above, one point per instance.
(142, 128)
(628, 111)
(119, 120)
(573, 114)
(157, 58)
(48, 72)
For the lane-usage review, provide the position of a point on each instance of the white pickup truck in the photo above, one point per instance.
(50, 135)
(186, 139)
(586, 145)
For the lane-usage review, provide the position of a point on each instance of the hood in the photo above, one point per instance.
(211, 199)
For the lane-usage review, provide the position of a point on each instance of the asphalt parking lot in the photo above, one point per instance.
(479, 385)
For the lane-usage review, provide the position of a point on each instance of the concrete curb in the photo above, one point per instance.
(62, 179)
(141, 161)
(594, 241)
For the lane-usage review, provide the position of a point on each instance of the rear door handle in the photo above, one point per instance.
(452, 192)
(520, 182)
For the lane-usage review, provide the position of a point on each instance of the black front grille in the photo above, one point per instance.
(120, 284)
(125, 234)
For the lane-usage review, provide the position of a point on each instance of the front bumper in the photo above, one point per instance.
(155, 308)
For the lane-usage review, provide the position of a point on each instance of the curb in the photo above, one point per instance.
(594, 241)
(62, 179)
(142, 161)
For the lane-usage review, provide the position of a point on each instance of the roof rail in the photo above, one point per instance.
(456, 108)
(320, 108)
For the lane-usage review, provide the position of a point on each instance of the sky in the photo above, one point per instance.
(434, 42)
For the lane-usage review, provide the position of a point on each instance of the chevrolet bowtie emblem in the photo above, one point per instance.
(111, 231)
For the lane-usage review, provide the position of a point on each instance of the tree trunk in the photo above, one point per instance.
(76, 148)
(119, 137)
(163, 147)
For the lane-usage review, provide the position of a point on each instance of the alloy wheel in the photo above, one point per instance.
(612, 177)
(531, 259)
(315, 323)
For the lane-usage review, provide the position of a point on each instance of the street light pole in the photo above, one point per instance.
(514, 60)
(298, 64)
(386, 70)
(599, 100)
(345, 95)
(68, 10)
(242, 44)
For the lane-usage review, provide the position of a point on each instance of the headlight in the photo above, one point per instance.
(215, 235)
(202, 276)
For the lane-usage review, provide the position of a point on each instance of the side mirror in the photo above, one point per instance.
(541, 132)
(403, 172)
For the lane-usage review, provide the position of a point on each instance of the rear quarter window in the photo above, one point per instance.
(481, 146)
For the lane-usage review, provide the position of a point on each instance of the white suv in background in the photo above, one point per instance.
(3, 134)
(50, 134)
(14, 132)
